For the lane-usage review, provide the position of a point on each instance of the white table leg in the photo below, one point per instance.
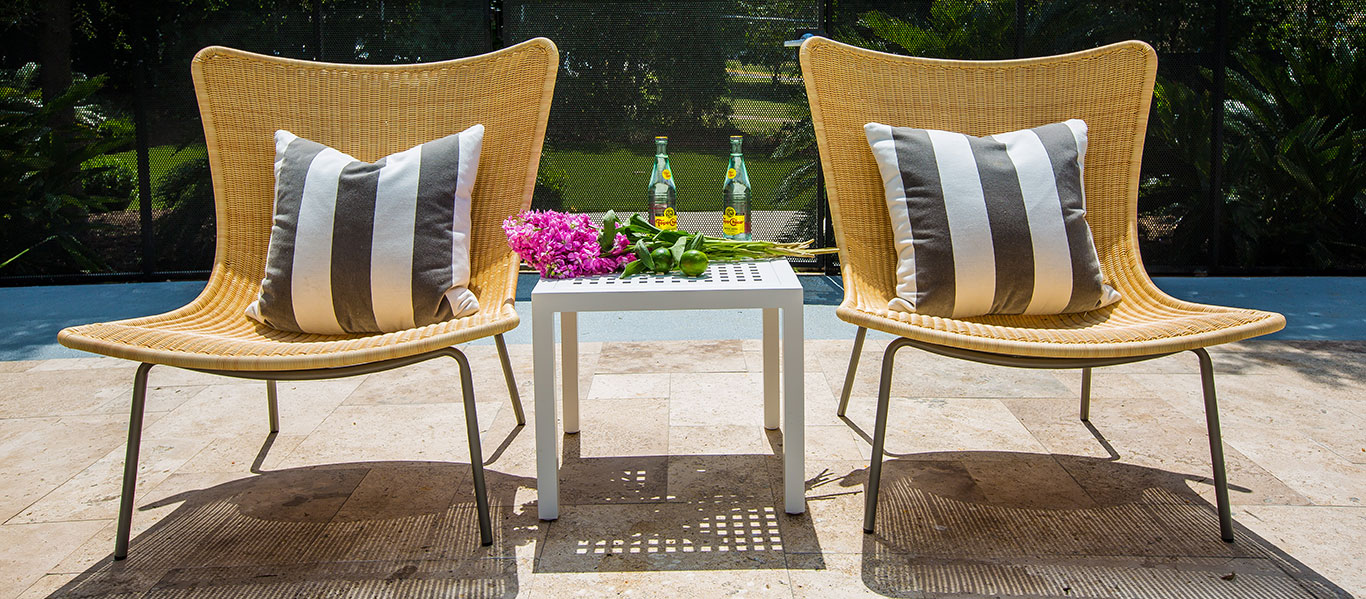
(771, 368)
(547, 442)
(569, 363)
(794, 412)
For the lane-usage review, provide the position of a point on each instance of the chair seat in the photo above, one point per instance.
(223, 338)
(1132, 327)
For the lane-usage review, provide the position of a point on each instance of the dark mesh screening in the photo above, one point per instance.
(355, 31)
(1284, 195)
(697, 72)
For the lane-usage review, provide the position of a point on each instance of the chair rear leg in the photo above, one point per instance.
(884, 392)
(273, 406)
(853, 369)
(1216, 445)
(130, 462)
(481, 498)
(1085, 394)
(512, 383)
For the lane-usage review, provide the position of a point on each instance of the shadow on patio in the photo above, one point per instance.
(979, 523)
(408, 529)
(376, 528)
(657, 513)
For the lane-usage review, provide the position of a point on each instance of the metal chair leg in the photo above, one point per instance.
(481, 498)
(1085, 394)
(130, 462)
(273, 406)
(853, 369)
(512, 382)
(1216, 445)
(884, 392)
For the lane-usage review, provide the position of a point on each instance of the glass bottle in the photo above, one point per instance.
(662, 192)
(735, 194)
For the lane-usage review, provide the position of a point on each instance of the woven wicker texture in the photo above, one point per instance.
(1108, 87)
(369, 112)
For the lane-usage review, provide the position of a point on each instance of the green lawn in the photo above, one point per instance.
(759, 117)
(597, 180)
(760, 108)
(162, 158)
(735, 67)
(617, 179)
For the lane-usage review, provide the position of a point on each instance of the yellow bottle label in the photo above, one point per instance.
(732, 223)
(668, 220)
(667, 174)
(730, 173)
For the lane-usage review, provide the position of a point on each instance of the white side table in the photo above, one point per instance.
(768, 285)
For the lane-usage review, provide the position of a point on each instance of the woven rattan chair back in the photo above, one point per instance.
(1108, 87)
(370, 112)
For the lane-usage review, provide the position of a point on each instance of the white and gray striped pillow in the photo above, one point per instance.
(361, 247)
(990, 225)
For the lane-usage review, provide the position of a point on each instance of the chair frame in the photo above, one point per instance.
(130, 462)
(368, 111)
(1216, 443)
(1110, 87)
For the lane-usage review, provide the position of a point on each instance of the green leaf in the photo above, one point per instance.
(643, 254)
(668, 237)
(696, 242)
(644, 225)
(26, 250)
(632, 268)
(678, 248)
(607, 239)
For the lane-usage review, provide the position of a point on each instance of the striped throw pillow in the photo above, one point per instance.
(361, 247)
(990, 225)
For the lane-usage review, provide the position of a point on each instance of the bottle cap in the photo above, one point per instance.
(659, 137)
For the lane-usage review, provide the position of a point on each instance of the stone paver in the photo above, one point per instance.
(992, 486)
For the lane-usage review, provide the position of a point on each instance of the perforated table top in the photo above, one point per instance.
(719, 275)
(724, 284)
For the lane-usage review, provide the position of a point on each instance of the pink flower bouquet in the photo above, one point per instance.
(563, 246)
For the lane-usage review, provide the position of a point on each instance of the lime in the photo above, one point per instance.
(693, 263)
(663, 259)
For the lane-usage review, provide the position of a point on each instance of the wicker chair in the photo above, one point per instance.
(368, 112)
(1110, 88)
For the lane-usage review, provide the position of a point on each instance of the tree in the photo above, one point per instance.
(628, 72)
(1298, 194)
(42, 166)
(767, 25)
(55, 47)
(985, 29)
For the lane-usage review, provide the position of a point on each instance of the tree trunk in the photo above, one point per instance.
(54, 70)
(55, 49)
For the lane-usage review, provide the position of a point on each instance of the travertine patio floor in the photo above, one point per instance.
(993, 487)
